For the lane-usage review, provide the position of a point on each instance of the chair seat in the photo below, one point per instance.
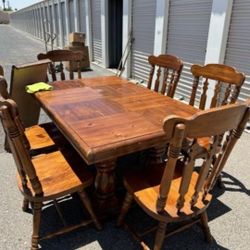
(38, 137)
(60, 173)
(145, 185)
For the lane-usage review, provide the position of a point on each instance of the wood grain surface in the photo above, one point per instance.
(107, 117)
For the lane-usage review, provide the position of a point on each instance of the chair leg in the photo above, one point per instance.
(125, 207)
(160, 235)
(84, 198)
(220, 183)
(36, 224)
(25, 206)
(205, 227)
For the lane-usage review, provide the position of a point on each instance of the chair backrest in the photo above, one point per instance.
(224, 125)
(1, 71)
(4, 95)
(20, 77)
(168, 65)
(227, 80)
(19, 151)
(4, 88)
(73, 57)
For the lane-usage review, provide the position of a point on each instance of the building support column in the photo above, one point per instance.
(217, 36)
(161, 26)
(89, 28)
(126, 33)
(104, 33)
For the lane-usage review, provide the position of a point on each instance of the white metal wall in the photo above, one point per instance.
(238, 44)
(96, 30)
(71, 16)
(56, 19)
(31, 19)
(187, 37)
(143, 26)
(82, 15)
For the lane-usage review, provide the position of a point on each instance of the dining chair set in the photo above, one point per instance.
(177, 190)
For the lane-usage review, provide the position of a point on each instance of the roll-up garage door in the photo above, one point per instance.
(143, 27)
(63, 16)
(96, 30)
(71, 16)
(187, 37)
(56, 19)
(238, 45)
(82, 15)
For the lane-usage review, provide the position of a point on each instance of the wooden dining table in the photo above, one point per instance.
(108, 117)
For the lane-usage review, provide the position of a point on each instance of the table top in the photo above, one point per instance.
(107, 117)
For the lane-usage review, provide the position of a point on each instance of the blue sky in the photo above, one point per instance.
(19, 4)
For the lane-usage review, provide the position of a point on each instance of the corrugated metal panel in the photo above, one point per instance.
(40, 23)
(50, 20)
(57, 31)
(238, 44)
(187, 37)
(71, 16)
(143, 25)
(96, 30)
(82, 15)
(63, 16)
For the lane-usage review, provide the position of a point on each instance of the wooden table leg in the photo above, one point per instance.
(105, 187)
(156, 155)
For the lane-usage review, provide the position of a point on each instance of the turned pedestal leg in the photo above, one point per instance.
(105, 186)
(125, 207)
(85, 199)
(156, 155)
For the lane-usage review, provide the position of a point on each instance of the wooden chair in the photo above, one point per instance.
(175, 192)
(73, 57)
(228, 83)
(40, 138)
(171, 67)
(21, 76)
(226, 78)
(46, 177)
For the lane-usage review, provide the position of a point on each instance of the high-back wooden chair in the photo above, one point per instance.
(40, 138)
(73, 57)
(168, 70)
(176, 191)
(46, 177)
(228, 82)
(21, 76)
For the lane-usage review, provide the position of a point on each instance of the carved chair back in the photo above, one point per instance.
(18, 147)
(229, 122)
(168, 70)
(72, 57)
(227, 80)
